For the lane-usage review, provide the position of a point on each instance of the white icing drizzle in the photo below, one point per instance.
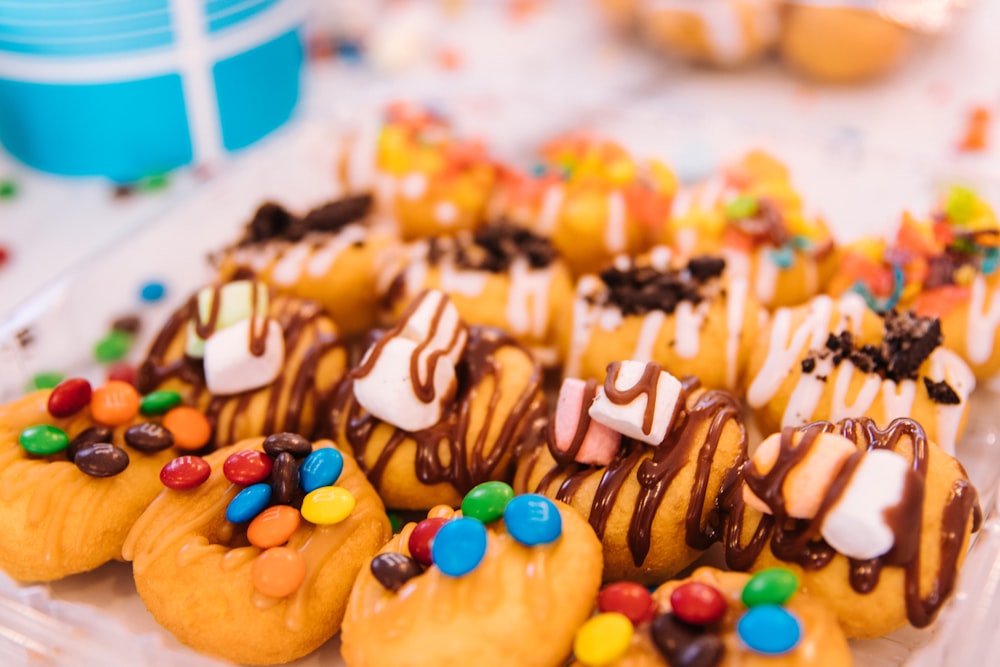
(413, 185)
(737, 263)
(460, 281)
(326, 255)
(839, 409)
(609, 318)
(897, 400)
(981, 328)
(648, 332)
(549, 215)
(385, 193)
(948, 366)
(584, 318)
(686, 239)
(614, 233)
(446, 213)
(528, 300)
(688, 319)
(736, 300)
(659, 258)
(256, 256)
(289, 267)
(766, 280)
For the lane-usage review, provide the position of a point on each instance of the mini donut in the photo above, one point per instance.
(520, 605)
(425, 448)
(703, 616)
(623, 14)
(426, 180)
(841, 42)
(201, 575)
(725, 33)
(683, 314)
(906, 525)
(499, 276)
(66, 508)
(262, 388)
(754, 218)
(328, 256)
(593, 199)
(833, 359)
(944, 267)
(652, 505)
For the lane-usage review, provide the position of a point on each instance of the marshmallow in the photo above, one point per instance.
(450, 335)
(805, 485)
(230, 366)
(856, 526)
(600, 443)
(236, 302)
(628, 419)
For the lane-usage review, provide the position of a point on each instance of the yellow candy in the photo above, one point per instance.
(621, 172)
(603, 639)
(872, 249)
(965, 275)
(661, 175)
(328, 504)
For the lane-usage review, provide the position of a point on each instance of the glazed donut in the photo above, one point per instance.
(684, 315)
(253, 361)
(330, 256)
(500, 276)
(214, 584)
(833, 359)
(704, 620)
(437, 407)
(519, 605)
(899, 509)
(650, 499)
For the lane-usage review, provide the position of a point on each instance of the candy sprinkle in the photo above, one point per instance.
(152, 291)
(45, 380)
(113, 347)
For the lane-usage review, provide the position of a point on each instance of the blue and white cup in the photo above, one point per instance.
(131, 88)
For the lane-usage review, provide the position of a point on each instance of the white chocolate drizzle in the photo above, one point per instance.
(982, 325)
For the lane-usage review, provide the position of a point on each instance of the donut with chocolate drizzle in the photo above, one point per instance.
(654, 508)
(873, 597)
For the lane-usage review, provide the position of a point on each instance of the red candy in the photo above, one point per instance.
(421, 538)
(631, 600)
(122, 372)
(185, 472)
(697, 603)
(247, 467)
(69, 397)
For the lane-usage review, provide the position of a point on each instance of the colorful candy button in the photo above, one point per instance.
(148, 437)
(328, 505)
(278, 572)
(321, 468)
(122, 372)
(285, 479)
(113, 347)
(769, 629)
(185, 472)
(772, 586)
(422, 537)
(631, 600)
(69, 397)
(191, 429)
(698, 603)
(487, 501)
(392, 570)
(43, 439)
(102, 459)
(533, 519)
(248, 503)
(152, 291)
(159, 402)
(247, 467)
(87, 437)
(459, 546)
(115, 403)
(293, 443)
(274, 526)
(603, 639)
(46, 380)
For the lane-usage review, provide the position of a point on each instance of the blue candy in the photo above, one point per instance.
(991, 261)
(152, 291)
(783, 257)
(321, 468)
(769, 629)
(533, 519)
(248, 503)
(459, 546)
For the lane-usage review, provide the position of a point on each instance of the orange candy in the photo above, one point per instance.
(190, 428)
(115, 403)
(273, 526)
(278, 572)
(940, 301)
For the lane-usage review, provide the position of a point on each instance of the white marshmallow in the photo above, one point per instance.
(230, 366)
(450, 336)
(236, 302)
(855, 526)
(387, 391)
(628, 419)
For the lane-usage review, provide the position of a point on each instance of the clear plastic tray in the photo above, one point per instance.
(97, 618)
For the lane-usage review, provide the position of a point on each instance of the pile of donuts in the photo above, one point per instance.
(838, 41)
(576, 380)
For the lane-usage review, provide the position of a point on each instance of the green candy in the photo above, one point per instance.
(742, 207)
(46, 380)
(43, 439)
(396, 521)
(8, 188)
(487, 501)
(158, 402)
(153, 182)
(773, 586)
(960, 205)
(113, 347)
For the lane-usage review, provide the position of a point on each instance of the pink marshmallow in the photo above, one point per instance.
(600, 443)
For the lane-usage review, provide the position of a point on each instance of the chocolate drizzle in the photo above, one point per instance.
(653, 467)
(444, 453)
(799, 541)
(637, 290)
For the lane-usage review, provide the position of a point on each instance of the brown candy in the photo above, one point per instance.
(292, 443)
(149, 437)
(284, 479)
(88, 437)
(393, 570)
(101, 459)
(685, 645)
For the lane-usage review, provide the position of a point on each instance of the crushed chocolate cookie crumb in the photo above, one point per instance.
(940, 272)
(129, 324)
(333, 216)
(273, 221)
(822, 378)
(941, 392)
(706, 267)
(502, 243)
(637, 290)
(767, 226)
(808, 365)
